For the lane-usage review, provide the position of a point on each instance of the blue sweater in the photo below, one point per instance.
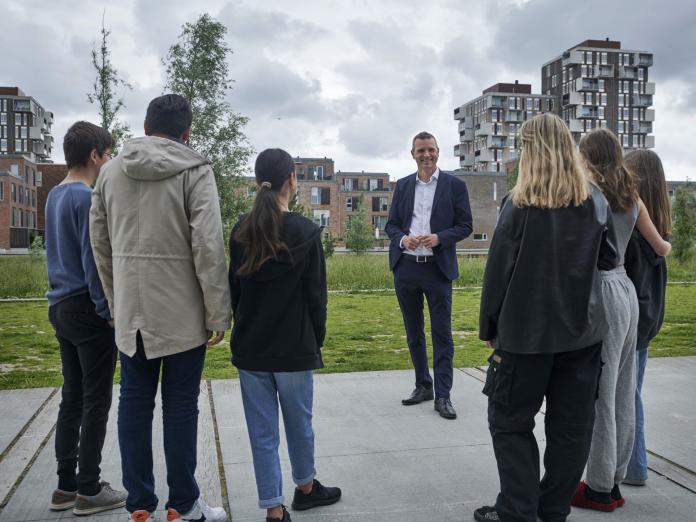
(71, 268)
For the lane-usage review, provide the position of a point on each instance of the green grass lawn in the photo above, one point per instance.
(365, 332)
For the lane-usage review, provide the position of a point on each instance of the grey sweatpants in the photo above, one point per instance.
(612, 438)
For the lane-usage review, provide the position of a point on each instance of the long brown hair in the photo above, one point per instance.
(260, 230)
(652, 187)
(604, 159)
(549, 171)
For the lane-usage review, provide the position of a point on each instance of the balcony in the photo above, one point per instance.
(483, 155)
(498, 102)
(572, 58)
(484, 129)
(36, 133)
(650, 88)
(603, 71)
(513, 116)
(642, 100)
(643, 127)
(649, 115)
(22, 106)
(586, 112)
(586, 84)
(459, 113)
(576, 126)
(628, 73)
(573, 98)
(649, 142)
(466, 161)
(467, 135)
(643, 59)
(496, 142)
(458, 150)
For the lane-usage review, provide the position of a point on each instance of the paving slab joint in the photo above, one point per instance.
(218, 449)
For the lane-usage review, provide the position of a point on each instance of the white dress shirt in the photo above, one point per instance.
(422, 209)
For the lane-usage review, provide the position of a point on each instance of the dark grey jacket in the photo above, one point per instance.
(541, 289)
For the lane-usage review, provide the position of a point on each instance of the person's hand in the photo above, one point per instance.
(215, 338)
(429, 240)
(489, 343)
(410, 242)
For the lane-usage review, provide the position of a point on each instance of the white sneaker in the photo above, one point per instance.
(141, 516)
(199, 512)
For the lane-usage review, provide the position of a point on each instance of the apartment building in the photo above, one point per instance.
(373, 190)
(486, 190)
(20, 180)
(599, 84)
(318, 190)
(25, 126)
(489, 125)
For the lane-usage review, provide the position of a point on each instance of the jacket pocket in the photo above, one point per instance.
(499, 378)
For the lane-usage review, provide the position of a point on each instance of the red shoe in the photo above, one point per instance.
(580, 500)
(617, 497)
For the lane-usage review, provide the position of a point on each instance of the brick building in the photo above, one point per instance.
(486, 190)
(52, 174)
(375, 192)
(20, 180)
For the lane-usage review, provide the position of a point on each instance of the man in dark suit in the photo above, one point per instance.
(429, 214)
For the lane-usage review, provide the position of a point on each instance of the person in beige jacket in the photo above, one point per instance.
(156, 234)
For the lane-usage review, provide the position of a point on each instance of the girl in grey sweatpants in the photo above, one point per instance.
(612, 439)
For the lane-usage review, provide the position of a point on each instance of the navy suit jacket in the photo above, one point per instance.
(450, 219)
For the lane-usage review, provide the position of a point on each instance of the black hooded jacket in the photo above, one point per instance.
(648, 272)
(541, 289)
(280, 311)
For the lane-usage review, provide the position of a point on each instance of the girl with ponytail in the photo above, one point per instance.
(278, 286)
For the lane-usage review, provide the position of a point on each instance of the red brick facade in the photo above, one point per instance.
(20, 180)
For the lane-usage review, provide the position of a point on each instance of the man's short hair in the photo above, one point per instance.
(169, 114)
(81, 139)
(423, 135)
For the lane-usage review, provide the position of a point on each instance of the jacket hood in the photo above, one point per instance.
(299, 234)
(151, 158)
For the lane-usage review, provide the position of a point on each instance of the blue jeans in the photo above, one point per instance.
(261, 392)
(638, 465)
(181, 379)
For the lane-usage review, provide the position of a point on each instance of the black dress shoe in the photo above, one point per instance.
(486, 514)
(418, 395)
(319, 496)
(445, 409)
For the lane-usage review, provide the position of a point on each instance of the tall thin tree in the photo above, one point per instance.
(105, 90)
(197, 68)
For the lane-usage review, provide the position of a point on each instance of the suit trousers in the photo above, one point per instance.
(413, 281)
(516, 385)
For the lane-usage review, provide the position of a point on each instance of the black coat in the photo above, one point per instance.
(280, 311)
(648, 271)
(541, 289)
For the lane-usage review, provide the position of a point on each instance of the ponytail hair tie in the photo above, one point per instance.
(266, 184)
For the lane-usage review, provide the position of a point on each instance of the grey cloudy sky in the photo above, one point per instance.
(353, 79)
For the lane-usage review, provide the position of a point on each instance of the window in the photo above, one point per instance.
(379, 222)
(379, 204)
(27, 217)
(625, 140)
(3, 118)
(18, 145)
(2, 191)
(33, 198)
(13, 193)
(349, 203)
(14, 217)
(18, 119)
(321, 217)
(3, 145)
(481, 237)
(316, 196)
(374, 184)
(604, 58)
(348, 184)
(495, 191)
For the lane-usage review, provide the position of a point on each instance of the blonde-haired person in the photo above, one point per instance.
(542, 314)
(612, 438)
(648, 271)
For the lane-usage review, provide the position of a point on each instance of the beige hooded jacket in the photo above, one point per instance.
(156, 235)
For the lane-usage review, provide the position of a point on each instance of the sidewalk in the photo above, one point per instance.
(394, 463)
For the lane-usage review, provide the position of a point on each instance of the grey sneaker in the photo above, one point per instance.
(62, 500)
(108, 498)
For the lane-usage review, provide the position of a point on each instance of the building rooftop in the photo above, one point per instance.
(362, 173)
(299, 159)
(521, 88)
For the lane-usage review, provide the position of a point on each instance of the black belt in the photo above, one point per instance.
(419, 259)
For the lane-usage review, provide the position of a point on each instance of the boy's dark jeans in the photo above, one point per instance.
(181, 381)
(88, 357)
(516, 385)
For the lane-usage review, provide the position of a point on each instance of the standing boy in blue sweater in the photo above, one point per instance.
(80, 316)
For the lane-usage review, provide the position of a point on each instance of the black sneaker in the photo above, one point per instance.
(486, 514)
(319, 496)
(286, 517)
